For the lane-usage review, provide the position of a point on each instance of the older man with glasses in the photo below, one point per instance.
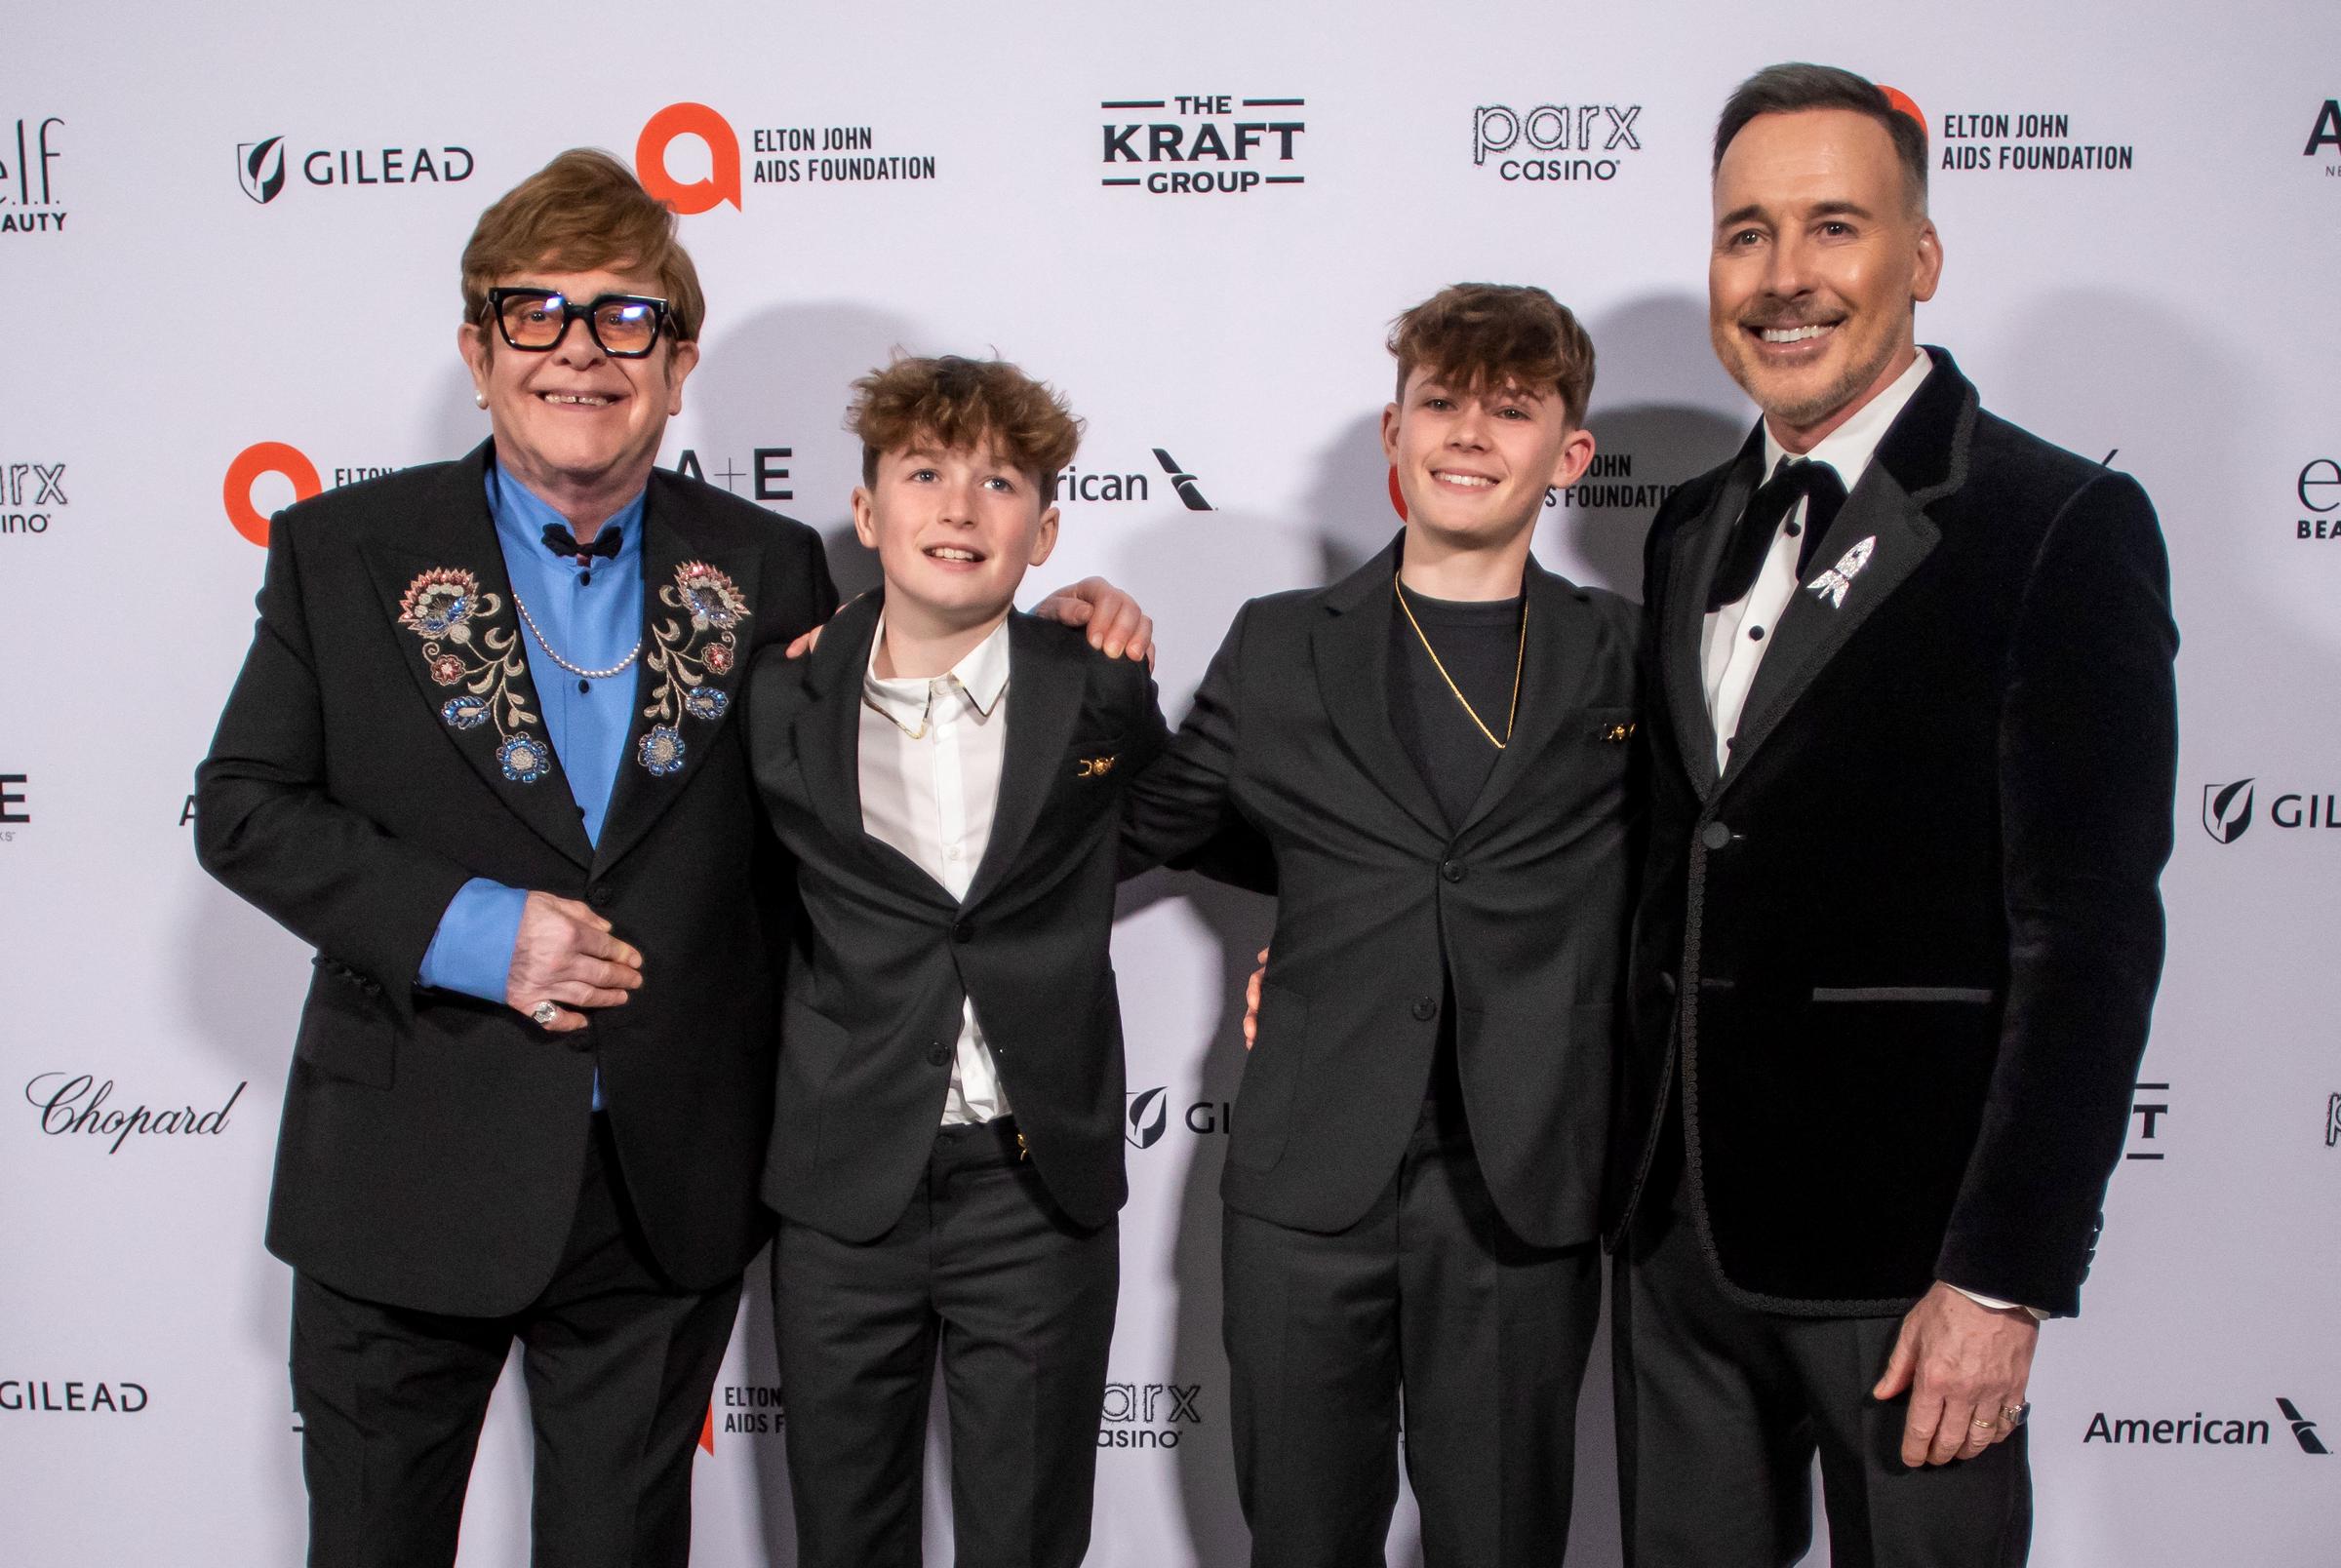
(480, 757)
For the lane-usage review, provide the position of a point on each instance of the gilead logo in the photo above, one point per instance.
(2227, 811)
(1144, 1117)
(678, 120)
(263, 457)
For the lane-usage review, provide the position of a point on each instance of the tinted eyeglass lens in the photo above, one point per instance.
(625, 325)
(533, 319)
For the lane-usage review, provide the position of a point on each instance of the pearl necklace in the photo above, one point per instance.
(619, 668)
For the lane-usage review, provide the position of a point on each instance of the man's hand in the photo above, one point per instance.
(1116, 623)
(1251, 1001)
(565, 954)
(806, 642)
(1966, 1366)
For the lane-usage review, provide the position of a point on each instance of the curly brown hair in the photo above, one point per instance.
(1477, 336)
(582, 212)
(964, 405)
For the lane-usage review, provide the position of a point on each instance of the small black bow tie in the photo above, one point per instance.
(562, 542)
(1795, 479)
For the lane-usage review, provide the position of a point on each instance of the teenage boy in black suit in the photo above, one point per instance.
(946, 1150)
(1436, 756)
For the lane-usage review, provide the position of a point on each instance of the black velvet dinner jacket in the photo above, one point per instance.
(382, 745)
(1902, 953)
(888, 956)
(1379, 900)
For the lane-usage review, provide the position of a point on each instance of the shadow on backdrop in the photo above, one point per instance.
(1662, 412)
(778, 382)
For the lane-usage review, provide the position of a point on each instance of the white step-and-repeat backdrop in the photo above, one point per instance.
(230, 278)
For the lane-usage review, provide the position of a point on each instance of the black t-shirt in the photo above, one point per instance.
(1478, 640)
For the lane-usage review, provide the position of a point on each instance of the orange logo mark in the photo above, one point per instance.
(707, 1432)
(263, 457)
(722, 150)
(1904, 102)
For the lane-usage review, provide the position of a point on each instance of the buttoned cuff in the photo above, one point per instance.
(471, 952)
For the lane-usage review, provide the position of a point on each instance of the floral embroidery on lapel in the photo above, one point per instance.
(687, 658)
(446, 609)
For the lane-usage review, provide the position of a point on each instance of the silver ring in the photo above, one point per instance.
(2014, 1414)
(544, 1012)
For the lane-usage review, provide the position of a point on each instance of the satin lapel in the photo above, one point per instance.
(450, 605)
(1699, 549)
(1922, 457)
(1044, 689)
(1351, 649)
(697, 606)
(1551, 666)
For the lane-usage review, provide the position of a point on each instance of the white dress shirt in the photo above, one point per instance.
(930, 770)
(1734, 639)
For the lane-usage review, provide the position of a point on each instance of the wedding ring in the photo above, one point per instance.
(1984, 1424)
(544, 1012)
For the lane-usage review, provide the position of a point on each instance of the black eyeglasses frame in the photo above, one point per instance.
(571, 311)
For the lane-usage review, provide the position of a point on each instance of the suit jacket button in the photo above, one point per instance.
(939, 1053)
(1451, 870)
(1715, 835)
(1426, 1009)
(601, 896)
(963, 931)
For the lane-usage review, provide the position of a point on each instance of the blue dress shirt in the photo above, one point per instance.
(592, 614)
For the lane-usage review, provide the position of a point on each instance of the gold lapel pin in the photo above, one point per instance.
(1092, 767)
(1614, 733)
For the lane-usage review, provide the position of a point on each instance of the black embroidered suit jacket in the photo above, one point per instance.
(1379, 898)
(382, 745)
(1902, 952)
(888, 956)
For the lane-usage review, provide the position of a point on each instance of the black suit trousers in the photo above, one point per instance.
(1430, 1298)
(1020, 1300)
(1721, 1408)
(618, 1363)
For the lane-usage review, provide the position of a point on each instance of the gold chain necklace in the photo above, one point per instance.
(1519, 661)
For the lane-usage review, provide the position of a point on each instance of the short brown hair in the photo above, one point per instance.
(964, 405)
(1798, 86)
(1477, 336)
(582, 212)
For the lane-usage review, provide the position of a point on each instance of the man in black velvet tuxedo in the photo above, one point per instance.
(1434, 761)
(480, 755)
(1913, 735)
(946, 1150)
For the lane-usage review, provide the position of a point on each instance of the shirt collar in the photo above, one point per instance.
(521, 516)
(1850, 447)
(981, 673)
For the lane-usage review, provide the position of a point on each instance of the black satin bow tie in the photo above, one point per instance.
(562, 542)
(1795, 479)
